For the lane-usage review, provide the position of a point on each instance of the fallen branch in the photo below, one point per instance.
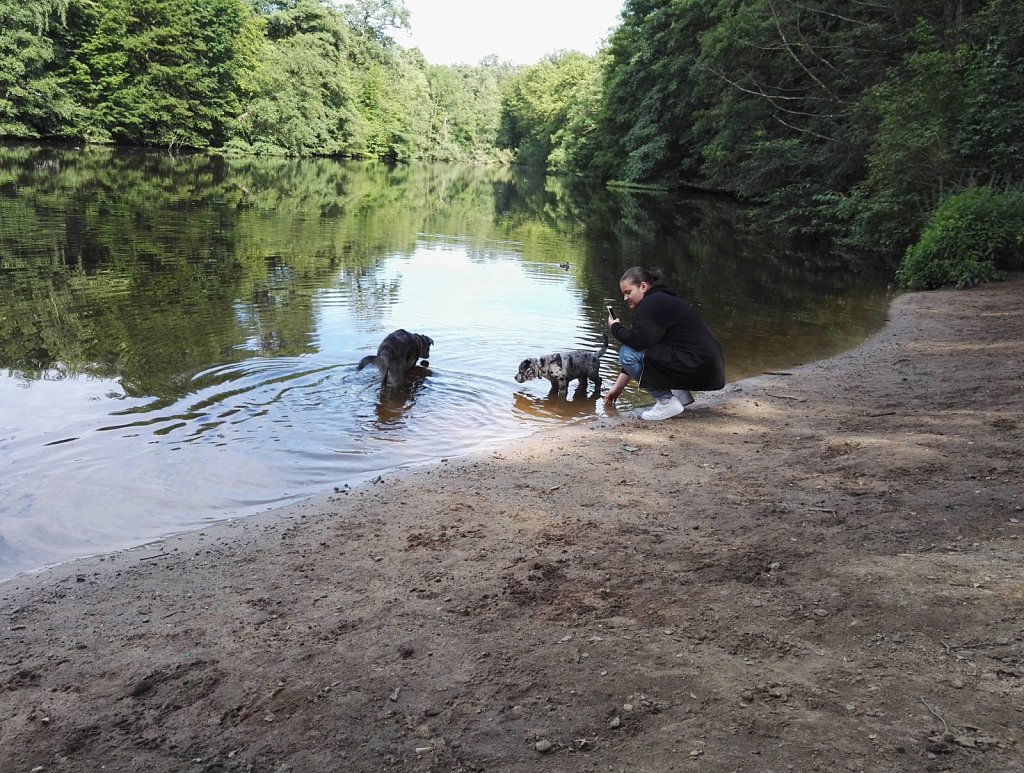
(935, 714)
(970, 646)
(787, 397)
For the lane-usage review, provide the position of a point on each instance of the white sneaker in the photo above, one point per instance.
(683, 396)
(663, 410)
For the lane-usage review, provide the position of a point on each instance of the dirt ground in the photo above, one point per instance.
(821, 569)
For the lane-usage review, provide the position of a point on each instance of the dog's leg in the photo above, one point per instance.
(556, 385)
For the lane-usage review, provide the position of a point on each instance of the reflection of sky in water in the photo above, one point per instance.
(89, 469)
(460, 302)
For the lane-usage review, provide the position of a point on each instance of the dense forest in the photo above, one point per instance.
(890, 128)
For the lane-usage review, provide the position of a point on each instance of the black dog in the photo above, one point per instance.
(562, 367)
(397, 353)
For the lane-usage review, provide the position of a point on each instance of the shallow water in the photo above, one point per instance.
(179, 337)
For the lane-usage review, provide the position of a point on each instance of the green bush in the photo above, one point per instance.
(970, 237)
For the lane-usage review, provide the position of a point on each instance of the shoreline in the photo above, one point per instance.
(826, 564)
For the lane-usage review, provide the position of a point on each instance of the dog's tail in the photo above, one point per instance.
(604, 346)
(373, 359)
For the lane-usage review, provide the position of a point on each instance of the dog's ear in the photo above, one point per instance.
(425, 343)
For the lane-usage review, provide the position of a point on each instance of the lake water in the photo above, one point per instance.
(179, 335)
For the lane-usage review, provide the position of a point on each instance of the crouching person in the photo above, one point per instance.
(669, 349)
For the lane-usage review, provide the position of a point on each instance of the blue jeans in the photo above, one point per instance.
(632, 362)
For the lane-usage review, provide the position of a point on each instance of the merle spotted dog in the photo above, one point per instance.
(397, 353)
(562, 367)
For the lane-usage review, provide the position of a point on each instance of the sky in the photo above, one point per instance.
(520, 31)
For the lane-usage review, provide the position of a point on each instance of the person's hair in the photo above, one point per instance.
(638, 274)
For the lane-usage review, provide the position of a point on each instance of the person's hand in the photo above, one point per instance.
(616, 390)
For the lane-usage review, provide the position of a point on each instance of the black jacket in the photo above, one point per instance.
(680, 351)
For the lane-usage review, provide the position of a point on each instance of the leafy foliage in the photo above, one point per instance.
(651, 96)
(971, 236)
(543, 119)
(391, 94)
(847, 122)
(949, 119)
(465, 111)
(373, 18)
(160, 72)
(300, 96)
(34, 100)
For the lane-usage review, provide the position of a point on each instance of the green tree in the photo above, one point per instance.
(538, 105)
(465, 110)
(392, 98)
(162, 72)
(948, 119)
(34, 99)
(650, 105)
(324, 87)
(574, 145)
(300, 97)
(849, 122)
(784, 121)
(374, 18)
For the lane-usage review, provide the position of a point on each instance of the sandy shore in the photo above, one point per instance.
(816, 570)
